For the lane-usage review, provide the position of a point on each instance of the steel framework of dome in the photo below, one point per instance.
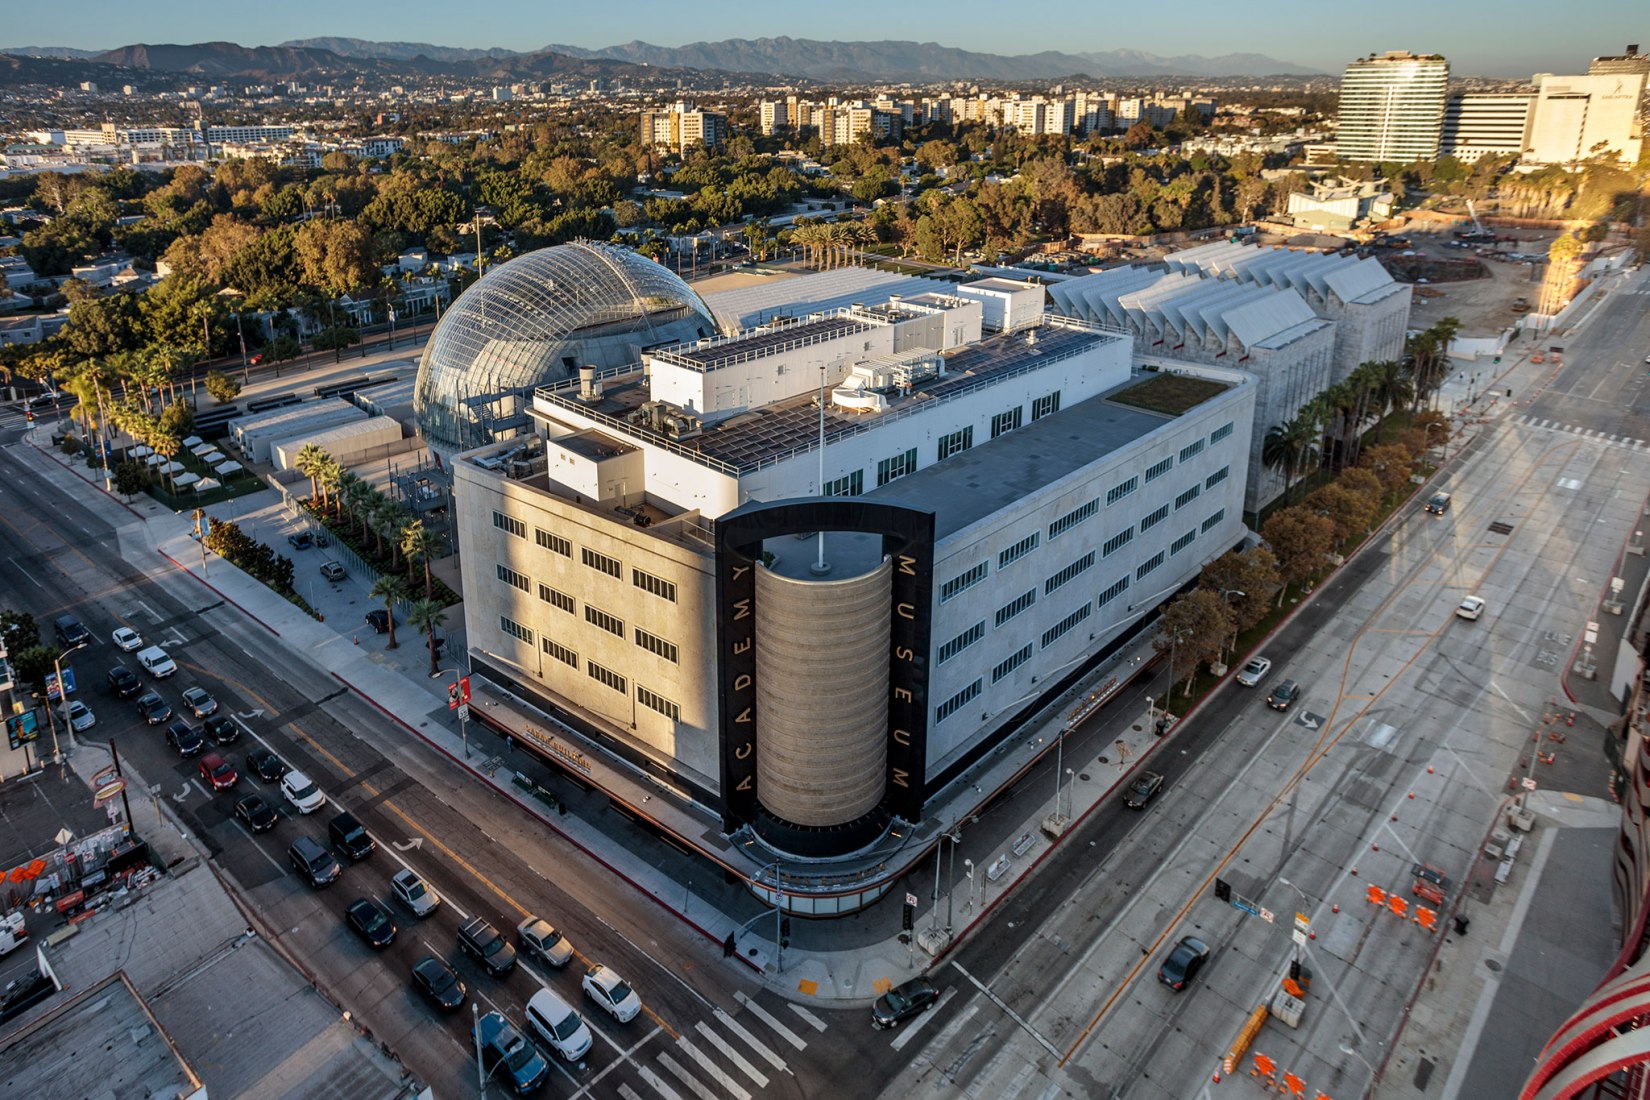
(537, 319)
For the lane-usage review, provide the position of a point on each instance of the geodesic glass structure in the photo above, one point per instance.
(535, 320)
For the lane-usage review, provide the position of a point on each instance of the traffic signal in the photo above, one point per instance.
(908, 919)
(1223, 889)
(784, 931)
(1294, 970)
(729, 946)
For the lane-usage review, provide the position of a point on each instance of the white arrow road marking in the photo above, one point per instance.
(415, 842)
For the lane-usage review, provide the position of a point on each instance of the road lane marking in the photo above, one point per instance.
(813, 1021)
(653, 1079)
(916, 1025)
(735, 1090)
(682, 1075)
(1012, 1015)
(732, 1025)
(762, 1014)
(273, 862)
(731, 1054)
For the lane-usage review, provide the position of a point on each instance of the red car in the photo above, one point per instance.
(218, 772)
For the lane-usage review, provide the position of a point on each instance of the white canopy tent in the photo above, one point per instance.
(193, 441)
(186, 479)
(227, 468)
(206, 483)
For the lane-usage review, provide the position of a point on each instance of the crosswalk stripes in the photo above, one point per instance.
(735, 1089)
(653, 1079)
(769, 1056)
(1615, 439)
(732, 1055)
(780, 1029)
(808, 1017)
(708, 1061)
(681, 1074)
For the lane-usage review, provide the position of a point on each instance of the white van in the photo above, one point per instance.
(558, 1025)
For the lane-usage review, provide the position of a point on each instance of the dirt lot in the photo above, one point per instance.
(1483, 306)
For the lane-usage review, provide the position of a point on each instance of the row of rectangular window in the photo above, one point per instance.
(1046, 405)
(1217, 477)
(560, 652)
(1005, 422)
(1220, 433)
(513, 579)
(1182, 542)
(656, 645)
(1155, 518)
(963, 581)
(1155, 561)
(1006, 666)
(515, 629)
(1117, 589)
(606, 676)
(961, 642)
(1018, 550)
(1213, 521)
(652, 700)
(1191, 450)
(955, 443)
(1016, 605)
(1187, 497)
(510, 525)
(601, 563)
(1069, 573)
(890, 468)
(852, 485)
(553, 542)
(1072, 519)
(1157, 470)
(1122, 489)
(657, 586)
(1059, 629)
(596, 617)
(957, 701)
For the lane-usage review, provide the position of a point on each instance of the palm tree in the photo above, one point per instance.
(1288, 445)
(383, 516)
(330, 476)
(417, 544)
(166, 445)
(428, 616)
(1392, 388)
(309, 462)
(389, 588)
(356, 495)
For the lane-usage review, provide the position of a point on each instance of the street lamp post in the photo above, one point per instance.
(968, 873)
(1306, 911)
(463, 711)
(62, 700)
(1347, 1048)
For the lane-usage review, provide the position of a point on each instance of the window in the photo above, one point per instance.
(652, 700)
(513, 579)
(962, 582)
(1182, 542)
(657, 645)
(553, 543)
(515, 630)
(1187, 497)
(606, 676)
(556, 599)
(1217, 477)
(595, 616)
(1117, 542)
(961, 642)
(510, 524)
(1005, 422)
(851, 486)
(560, 652)
(1018, 550)
(658, 586)
(1191, 450)
(1012, 662)
(1061, 628)
(1070, 571)
(898, 466)
(1157, 470)
(956, 442)
(1213, 521)
(1154, 519)
(1220, 433)
(1045, 406)
(1118, 492)
(957, 702)
(1112, 593)
(1072, 519)
(601, 562)
(1156, 561)
(1016, 605)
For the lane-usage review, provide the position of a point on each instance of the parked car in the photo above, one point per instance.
(507, 1052)
(124, 682)
(612, 993)
(333, 571)
(1284, 695)
(1471, 608)
(127, 640)
(199, 701)
(257, 814)
(156, 663)
(1143, 790)
(79, 716)
(539, 939)
(221, 729)
(1183, 963)
(185, 738)
(438, 983)
(413, 892)
(314, 863)
(71, 631)
(379, 620)
(904, 1001)
(559, 1025)
(368, 920)
(266, 765)
(482, 941)
(1253, 671)
(217, 771)
(1438, 503)
(303, 540)
(153, 708)
(350, 837)
(304, 795)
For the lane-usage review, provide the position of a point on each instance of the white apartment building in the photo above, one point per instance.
(1392, 107)
(1486, 124)
(1578, 117)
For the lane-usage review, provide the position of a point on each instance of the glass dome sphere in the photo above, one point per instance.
(536, 320)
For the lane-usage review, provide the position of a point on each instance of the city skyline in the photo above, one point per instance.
(1478, 38)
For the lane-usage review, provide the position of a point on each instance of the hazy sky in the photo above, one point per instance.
(1501, 38)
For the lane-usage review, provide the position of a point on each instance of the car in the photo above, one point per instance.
(199, 701)
(368, 920)
(221, 729)
(127, 640)
(508, 1052)
(24, 993)
(379, 620)
(1183, 963)
(559, 1025)
(350, 837)
(1471, 608)
(612, 993)
(1284, 695)
(217, 771)
(1253, 671)
(1438, 503)
(71, 631)
(538, 938)
(1143, 790)
(79, 716)
(185, 738)
(46, 400)
(304, 795)
(482, 941)
(333, 571)
(438, 983)
(256, 813)
(153, 708)
(266, 765)
(413, 892)
(314, 863)
(904, 1001)
(303, 540)
(156, 663)
(124, 682)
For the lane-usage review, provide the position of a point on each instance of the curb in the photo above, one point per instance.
(29, 437)
(219, 592)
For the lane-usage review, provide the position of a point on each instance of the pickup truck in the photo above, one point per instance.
(13, 933)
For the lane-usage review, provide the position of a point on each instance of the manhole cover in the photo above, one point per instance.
(1084, 776)
(1493, 965)
(1102, 760)
(1499, 528)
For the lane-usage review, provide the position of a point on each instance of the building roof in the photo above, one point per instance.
(747, 306)
(1354, 280)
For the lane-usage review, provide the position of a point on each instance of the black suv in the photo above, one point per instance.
(477, 937)
(314, 863)
(124, 682)
(185, 738)
(350, 837)
(221, 729)
(154, 709)
(1284, 695)
(71, 631)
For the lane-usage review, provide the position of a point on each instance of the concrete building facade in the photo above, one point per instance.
(1486, 124)
(1392, 107)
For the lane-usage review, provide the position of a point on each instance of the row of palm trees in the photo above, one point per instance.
(832, 244)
